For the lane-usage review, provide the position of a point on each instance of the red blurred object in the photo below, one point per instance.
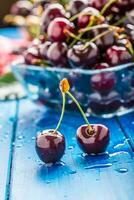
(7, 52)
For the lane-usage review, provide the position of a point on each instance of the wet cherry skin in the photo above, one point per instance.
(85, 16)
(50, 146)
(57, 29)
(117, 55)
(51, 12)
(93, 143)
(76, 6)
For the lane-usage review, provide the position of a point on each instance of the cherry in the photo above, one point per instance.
(86, 16)
(32, 56)
(51, 12)
(76, 6)
(104, 104)
(130, 32)
(128, 99)
(57, 53)
(50, 146)
(98, 4)
(22, 7)
(93, 142)
(43, 49)
(83, 58)
(118, 55)
(102, 66)
(57, 29)
(103, 82)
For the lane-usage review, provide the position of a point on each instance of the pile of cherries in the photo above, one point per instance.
(92, 34)
(92, 138)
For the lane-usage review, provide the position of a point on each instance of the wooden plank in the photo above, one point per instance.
(7, 117)
(105, 177)
(127, 125)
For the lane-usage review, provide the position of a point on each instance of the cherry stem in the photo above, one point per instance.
(89, 28)
(96, 38)
(72, 35)
(81, 110)
(107, 5)
(62, 112)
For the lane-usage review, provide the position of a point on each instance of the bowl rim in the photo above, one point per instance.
(18, 64)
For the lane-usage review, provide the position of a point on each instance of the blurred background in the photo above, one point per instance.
(4, 9)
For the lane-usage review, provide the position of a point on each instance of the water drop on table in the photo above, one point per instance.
(122, 170)
(72, 171)
(48, 182)
(98, 166)
(20, 137)
(70, 147)
(33, 138)
(19, 145)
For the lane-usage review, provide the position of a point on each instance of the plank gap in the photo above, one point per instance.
(12, 148)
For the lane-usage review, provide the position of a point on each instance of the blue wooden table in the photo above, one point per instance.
(109, 176)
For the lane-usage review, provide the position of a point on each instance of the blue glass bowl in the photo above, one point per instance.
(105, 92)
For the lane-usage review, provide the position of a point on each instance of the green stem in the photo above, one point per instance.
(82, 112)
(62, 112)
(96, 38)
(107, 5)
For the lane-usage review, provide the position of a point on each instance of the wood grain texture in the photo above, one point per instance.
(7, 117)
(127, 125)
(31, 180)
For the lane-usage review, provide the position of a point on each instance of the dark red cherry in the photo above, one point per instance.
(22, 7)
(102, 66)
(57, 29)
(50, 146)
(104, 104)
(32, 56)
(83, 58)
(98, 4)
(130, 32)
(57, 53)
(43, 49)
(85, 16)
(103, 82)
(94, 142)
(76, 6)
(51, 12)
(118, 55)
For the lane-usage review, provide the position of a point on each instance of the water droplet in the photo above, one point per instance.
(49, 164)
(48, 182)
(72, 171)
(99, 166)
(29, 157)
(118, 153)
(60, 163)
(84, 155)
(133, 122)
(122, 170)
(13, 143)
(19, 145)
(70, 147)
(20, 137)
(6, 136)
(33, 138)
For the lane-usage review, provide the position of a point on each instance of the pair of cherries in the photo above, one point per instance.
(92, 138)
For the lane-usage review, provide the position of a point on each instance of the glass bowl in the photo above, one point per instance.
(104, 92)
